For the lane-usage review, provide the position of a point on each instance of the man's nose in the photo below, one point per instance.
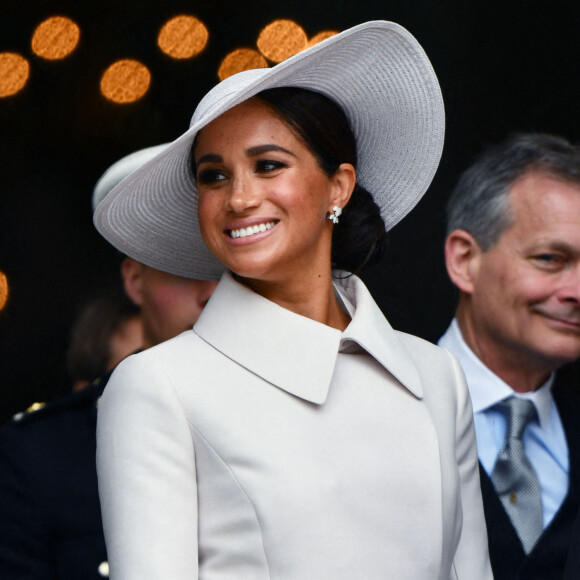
(570, 289)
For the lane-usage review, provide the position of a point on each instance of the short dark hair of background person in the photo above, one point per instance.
(91, 353)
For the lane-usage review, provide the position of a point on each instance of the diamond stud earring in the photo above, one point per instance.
(333, 216)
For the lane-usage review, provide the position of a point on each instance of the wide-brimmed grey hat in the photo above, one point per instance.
(380, 76)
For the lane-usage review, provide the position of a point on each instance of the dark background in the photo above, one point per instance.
(503, 67)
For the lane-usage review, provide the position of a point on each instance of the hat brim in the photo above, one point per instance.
(380, 76)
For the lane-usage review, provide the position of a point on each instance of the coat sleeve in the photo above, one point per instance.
(471, 558)
(147, 478)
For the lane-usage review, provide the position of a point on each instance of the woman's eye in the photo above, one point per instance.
(267, 165)
(209, 176)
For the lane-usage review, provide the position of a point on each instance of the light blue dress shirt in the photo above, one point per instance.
(544, 438)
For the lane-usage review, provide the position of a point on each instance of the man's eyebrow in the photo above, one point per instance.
(209, 158)
(259, 149)
(555, 245)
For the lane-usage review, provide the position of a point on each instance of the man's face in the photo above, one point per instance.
(169, 304)
(525, 301)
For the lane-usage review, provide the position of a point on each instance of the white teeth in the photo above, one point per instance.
(251, 230)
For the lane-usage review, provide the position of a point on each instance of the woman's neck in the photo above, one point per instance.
(310, 296)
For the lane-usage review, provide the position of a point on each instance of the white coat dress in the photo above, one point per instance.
(264, 445)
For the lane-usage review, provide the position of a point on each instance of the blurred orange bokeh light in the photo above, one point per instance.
(14, 72)
(55, 38)
(125, 81)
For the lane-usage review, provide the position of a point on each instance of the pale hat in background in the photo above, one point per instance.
(121, 169)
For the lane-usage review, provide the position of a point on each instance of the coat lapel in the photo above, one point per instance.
(293, 352)
(370, 329)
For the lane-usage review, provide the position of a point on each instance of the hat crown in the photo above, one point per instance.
(236, 84)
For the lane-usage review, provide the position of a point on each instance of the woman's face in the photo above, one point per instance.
(263, 199)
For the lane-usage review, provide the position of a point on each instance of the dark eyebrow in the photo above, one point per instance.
(251, 152)
(259, 149)
(554, 246)
(209, 158)
(562, 246)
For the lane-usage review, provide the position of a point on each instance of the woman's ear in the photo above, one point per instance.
(462, 257)
(344, 180)
(132, 274)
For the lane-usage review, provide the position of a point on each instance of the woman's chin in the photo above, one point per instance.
(249, 272)
(253, 267)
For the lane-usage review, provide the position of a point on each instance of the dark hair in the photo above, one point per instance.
(479, 203)
(90, 343)
(359, 239)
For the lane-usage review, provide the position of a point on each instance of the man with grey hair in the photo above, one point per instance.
(513, 252)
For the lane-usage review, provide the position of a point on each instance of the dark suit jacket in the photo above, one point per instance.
(50, 520)
(573, 564)
(552, 553)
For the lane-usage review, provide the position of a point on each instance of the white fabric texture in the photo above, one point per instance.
(264, 445)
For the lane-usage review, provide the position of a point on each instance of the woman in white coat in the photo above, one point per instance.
(292, 433)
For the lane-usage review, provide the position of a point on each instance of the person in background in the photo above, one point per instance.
(169, 302)
(292, 433)
(107, 329)
(513, 251)
(50, 518)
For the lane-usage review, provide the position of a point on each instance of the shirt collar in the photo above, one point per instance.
(253, 331)
(485, 387)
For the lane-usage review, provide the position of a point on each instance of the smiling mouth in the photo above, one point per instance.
(572, 322)
(568, 321)
(250, 230)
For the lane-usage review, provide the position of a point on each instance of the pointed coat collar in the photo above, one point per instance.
(293, 352)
